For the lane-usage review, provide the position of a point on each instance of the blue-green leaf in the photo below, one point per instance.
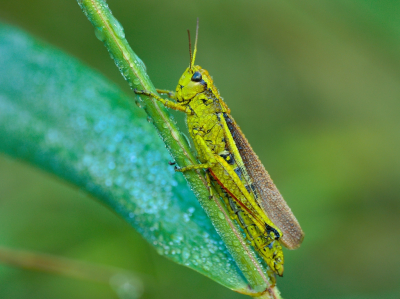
(70, 121)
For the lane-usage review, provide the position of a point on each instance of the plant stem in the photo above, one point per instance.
(60, 265)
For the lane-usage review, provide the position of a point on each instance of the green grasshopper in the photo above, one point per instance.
(232, 167)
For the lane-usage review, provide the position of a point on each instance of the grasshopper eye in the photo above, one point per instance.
(197, 77)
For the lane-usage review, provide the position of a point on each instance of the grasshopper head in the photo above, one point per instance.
(194, 80)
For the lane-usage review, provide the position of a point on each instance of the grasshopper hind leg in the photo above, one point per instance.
(273, 256)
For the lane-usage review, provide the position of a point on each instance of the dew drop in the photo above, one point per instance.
(117, 27)
(178, 238)
(111, 165)
(174, 135)
(155, 227)
(138, 104)
(185, 253)
(186, 217)
(205, 267)
(205, 252)
(196, 257)
(125, 53)
(126, 72)
(141, 63)
(216, 259)
(99, 33)
(136, 81)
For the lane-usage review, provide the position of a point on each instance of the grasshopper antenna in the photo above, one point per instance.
(195, 43)
(193, 57)
(190, 50)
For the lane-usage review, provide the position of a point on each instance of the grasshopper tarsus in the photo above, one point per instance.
(172, 163)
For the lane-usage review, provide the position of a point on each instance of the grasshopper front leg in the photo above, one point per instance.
(169, 93)
(166, 103)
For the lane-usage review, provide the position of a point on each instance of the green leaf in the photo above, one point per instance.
(70, 121)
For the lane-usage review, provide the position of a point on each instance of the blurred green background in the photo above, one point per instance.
(315, 86)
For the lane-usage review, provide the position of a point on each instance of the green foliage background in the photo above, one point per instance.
(315, 86)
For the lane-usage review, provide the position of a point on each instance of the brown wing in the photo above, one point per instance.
(271, 201)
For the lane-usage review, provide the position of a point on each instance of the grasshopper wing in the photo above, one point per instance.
(271, 201)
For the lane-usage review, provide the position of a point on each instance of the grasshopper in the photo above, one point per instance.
(231, 165)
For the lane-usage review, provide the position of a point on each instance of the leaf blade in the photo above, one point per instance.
(68, 120)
